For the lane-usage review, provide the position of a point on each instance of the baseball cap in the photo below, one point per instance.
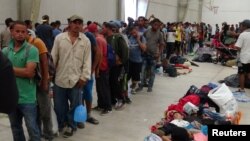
(246, 23)
(92, 27)
(45, 18)
(75, 17)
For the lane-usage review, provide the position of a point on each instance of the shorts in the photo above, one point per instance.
(87, 90)
(134, 71)
(244, 68)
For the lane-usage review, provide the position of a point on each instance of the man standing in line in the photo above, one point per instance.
(121, 50)
(72, 57)
(45, 32)
(102, 73)
(5, 35)
(43, 98)
(154, 46)
(24, 58)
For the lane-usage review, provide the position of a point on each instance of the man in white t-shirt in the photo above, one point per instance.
(243, 45)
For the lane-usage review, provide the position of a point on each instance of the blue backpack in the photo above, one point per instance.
(111, 56)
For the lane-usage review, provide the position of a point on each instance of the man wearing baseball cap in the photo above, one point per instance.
(72, 55)
(45, 32)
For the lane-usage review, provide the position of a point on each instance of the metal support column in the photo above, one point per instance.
(200, 10)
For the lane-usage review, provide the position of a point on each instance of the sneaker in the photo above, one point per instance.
(48, 138)
(80, 125)
(133, 85)
(105, 112)
(139, 89)
(133, 91)
(149, 89)
(240, 91)
(97, 108)
(128, 100)
(120, 105)
(68, 132)
(92, 120)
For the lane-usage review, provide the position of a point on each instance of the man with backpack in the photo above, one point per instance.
(24, 58)
(43, 97)
(116, 73)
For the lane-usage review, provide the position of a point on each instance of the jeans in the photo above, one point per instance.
(44, 113)
(29, 112)
(214, 115)
(148, 63)
(65, 102)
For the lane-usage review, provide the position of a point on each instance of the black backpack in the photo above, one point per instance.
(171, 71)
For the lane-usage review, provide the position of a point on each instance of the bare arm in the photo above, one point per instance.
(96, 59)
(44, 71)
(27, 72)
(141, 44)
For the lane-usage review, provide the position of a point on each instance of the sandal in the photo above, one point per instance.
(237, 118)
(92, 120)
(240, 91)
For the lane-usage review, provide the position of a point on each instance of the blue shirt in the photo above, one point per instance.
(45, 33)
(135, 51)
(93, 43)
(56, 32)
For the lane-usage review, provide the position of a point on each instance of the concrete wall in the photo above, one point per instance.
(94, 10)
(8, 9)
(165, 10)
(230, 11)
(192, 14)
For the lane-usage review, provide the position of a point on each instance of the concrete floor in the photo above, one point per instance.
(133, 123)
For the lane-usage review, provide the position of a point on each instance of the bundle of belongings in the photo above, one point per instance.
(189, 118)
(233, 81)
(204, 54)
(177, 65)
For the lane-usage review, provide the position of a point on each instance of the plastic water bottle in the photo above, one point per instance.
(161, 71)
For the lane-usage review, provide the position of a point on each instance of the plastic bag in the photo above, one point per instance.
(190, 108)
(54, 119)
(224, 98)
(80, 113)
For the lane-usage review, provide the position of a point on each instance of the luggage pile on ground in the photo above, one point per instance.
(177, 65)
(189, 118)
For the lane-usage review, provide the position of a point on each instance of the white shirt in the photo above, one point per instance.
(170, 37)
(32, 33)
(243, 43)
(72, 61)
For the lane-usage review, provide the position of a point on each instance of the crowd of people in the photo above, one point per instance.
(49, 62)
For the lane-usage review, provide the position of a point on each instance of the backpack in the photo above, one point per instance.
(171, 70)
(111, 56)
(38, 75)
(177, 60)
(51, 65)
